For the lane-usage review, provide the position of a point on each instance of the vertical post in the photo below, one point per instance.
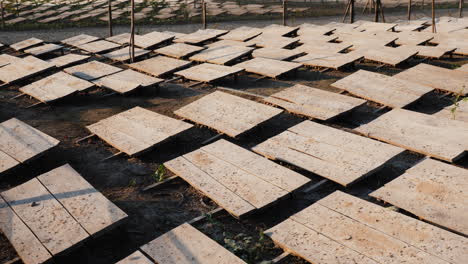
(204, 14)
(409, 10)
(433, 17)
(110, 17)
(460, 6)
(132, 32)
(285, 12)
(351, 9)
(377, 11)
(3, 14)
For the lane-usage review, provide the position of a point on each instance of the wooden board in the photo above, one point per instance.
(93, 211)
(410, 26)
(123, 54)
(187, 245)
(226, 42)
(413, 38)
(126, 81)
(276, 53)
(6, 59)
(179, 50)
(200, 36)
(376, 26)
(207, 72)
(226, 113)
(222, 55)
(136, 258)
(321, 48)
(98, 46)
(278, 30)
(388, 55)
(433, 191)
(383, 89)
(92, 70)
(272, 41)
(459, 112)
(66, 60)
(268, 67)
(26, 68)
(328, 59)
(430, 135)
(26, 43)
(243, 33)
(314, 30)
(344, 229)
(312, 102)
(314, 39)
(79, 40)
(43, 49)
(433, 52)
(463, 68)
(160, 65)
(23, 142)
(437, 78)
(136, 130)
(331, 153)
(54, 87)
(121, 39)
(153, 39)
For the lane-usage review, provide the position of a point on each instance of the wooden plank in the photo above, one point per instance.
(153, 39)
(272, 41)
(316, 30)
(187, 245)
(208, 72)
(123, 54)
(159, 65)
(201, 181)
(463, 68)
(92, 70)
(388, 55)
(126, 81)
(459, 112)
(321, 48)
(98, 46)
(431, 239)
(222, 55)
(226, 42)
(268, 67)
(413, 38)
(43, 49)
(6, 59)
(66, 60)
(426, 189)
(331, 153)
(314, 39)
(179, 50)
(430, 135)
(276, 53)
(437, 78)
(26, 68)
(121, 39)
(93, 211)
(410, 26)
(200, 36)
(45, 216)
(55, 87)
(23, 142)
(433, 52)
(376, 26)
(28, 247)
(79, 40)
(312, 102)
(330, 60)
(278, 30)
(243, 33)
(26, 43)
(386, 90)
(6, 162)
(136, 258)
(229, 114)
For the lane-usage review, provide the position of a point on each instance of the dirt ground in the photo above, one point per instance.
(155, 212)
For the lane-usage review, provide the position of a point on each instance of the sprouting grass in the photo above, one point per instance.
(160, 174)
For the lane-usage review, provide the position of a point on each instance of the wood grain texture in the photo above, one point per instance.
(92, 70)
(208, 72)
(159, 65)
(268, 67)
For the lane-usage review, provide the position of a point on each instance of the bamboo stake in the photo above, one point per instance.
(351, 9)
(409, 10)
(460, 6)
(285, 12)
(377, 11)
(110, 17)
(346, 11)
(204, 14)
(132, 32)
(433, 17)
(3, 14)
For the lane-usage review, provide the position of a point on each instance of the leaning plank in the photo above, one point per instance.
(93, 211)
(376, 26)
(456, 112)
(208, 72)
(123, 54)
(413, 38)
(278, 30)
(226, 42)
(98, 46)
(23, 69)
(136, 258)
(229, 114)
(463, 68)
(121, 39)
(427, 189)
(66, 60)
(329, 152)
(314, 30)
(200, 36)
(179, 50)
(276, 53)
(187, 245)
(327, 59)
(92, 70)
(268, 67)
(437, 78)
(312, 102)
(126, 81)
(222, 55)
(153, 39)
(160, 65)
(79, 40)
(26, 244)
(387, 90)
(6, 59)
(43, 49)
(319, 47)
(7, 162)
(434, 52)
(242, 33)
(26, 43)
(272, 41)
(430, 135)
(45, 216)
(388, 55)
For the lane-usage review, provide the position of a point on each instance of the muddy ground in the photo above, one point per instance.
(155, 212)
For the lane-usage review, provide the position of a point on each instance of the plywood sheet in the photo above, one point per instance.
(314, 39)
(376, 26)
(278, 30)
(66, 60)
(121, 39)
(243, 33)
(136, 130)
(430, 135)
(328, 59)
(433, 191)
(413, 38)
(437, 78)
(187, 245)
(6, 59)
(314, 30)
(98, 46)
(123, 54)
(43, 49)
(227, 113)
(26, 43)
(386, 90)
(26, 68)
(458, 112)
(79, 40)
(92, 70)
(268, 67)
(276, 53)
(207, 72)
(136, 258)
(312, 102)
(434, 52)
(153, 39)
(321, 48)
(340, 156)
(272, 41)
(388, 55)
(160, 65)
(179, 50)
(200, 36)
(226, 42)
(222, 55)
(126, 81)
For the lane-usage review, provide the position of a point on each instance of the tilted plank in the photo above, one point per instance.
(7, 162)
(136, 258)
(328, 59)
(179, 50)
(68, 59)
(222, 55)
(6, 59)
(44, 49)
(388, 55)
(200, 36)
(242, 33)
(25, 68)
(208, 72)
(126, 81)
(92, 70)
(124, 54)
(79, 40)
(159, 65)
(98, 46)
(186, 245)
(456, 112)
(87, 205)
(268, 67)
(276, 53)
(26, 43)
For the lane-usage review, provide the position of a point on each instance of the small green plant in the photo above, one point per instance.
(132, 182)
(160, 174)
(456, 104)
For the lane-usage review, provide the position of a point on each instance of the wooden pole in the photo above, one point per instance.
(110, 17)
(132, 32)
(461, 9)
(351, 9)
(204, 14)
(3, 14)
(346, 11)
(377, 11)
(409, 9)
(285, 12)
(433, 17)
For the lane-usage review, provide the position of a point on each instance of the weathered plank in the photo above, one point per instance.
(430, 135)
(23, 69)
(227, 113)
(92, 70)
(153, 39)
(463, 68)
(93, 211)
(321, 48)
(413, 38)
(434, 52)
(376, 26)
(126, 81)
(6, 59)
(387, 90)
(268, 67)
(222, 55)
(456, 112)
(226, 42)
(432, 190)
(159, 65)
(312, 102)
(123, 54)
(98, 46)
(43, 49)
(121, 39)
(243, 33)
(388, 55)
(208, 72)
(136, 258)
(437, 78)
(276, 53)
(328, 59)
(314, 39)
(272, 41)
(79, 40)
(187, 245)
(331, 153)
(26, 43)
(7, 162)
(314, 30)
(66, 60)
(179, 50)
(278, 30)
(200, 36)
